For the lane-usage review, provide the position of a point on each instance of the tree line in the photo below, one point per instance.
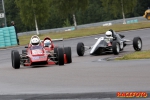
(62, 13)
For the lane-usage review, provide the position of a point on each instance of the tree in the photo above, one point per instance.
(66, 7)
(66, 23)
(142, 5)
(33, 11)
(119, 6)
(93, 13)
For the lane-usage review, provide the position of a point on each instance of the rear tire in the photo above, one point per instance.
(56, 55)
(115, 47)
(80, 49)
(68, 54)
(137, 44)
(15, 59)
(60, 56)
(55, 50)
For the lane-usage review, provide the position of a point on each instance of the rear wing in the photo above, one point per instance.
(53, 40)
(61, 39)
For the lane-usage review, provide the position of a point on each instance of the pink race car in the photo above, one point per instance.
(41, 53)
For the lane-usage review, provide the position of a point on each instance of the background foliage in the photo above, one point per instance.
(58, 13)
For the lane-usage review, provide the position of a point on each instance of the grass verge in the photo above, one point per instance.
(136, 55)
(24, 40)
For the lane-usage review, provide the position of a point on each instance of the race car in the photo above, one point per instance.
(41, 53)
(113, 42)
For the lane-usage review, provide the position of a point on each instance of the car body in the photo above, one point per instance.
(41, 55)
(114, 44)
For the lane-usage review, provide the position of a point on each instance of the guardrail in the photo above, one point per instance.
(106, 23)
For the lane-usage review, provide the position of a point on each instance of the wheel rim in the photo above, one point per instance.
(117, 47)
(121, 46)
(139, 43)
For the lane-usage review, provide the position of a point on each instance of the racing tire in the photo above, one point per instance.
(24, 51)
(12, 56)
(80, 49)
(60, 56)
(68, 54)
(55, 50)
(15, 59)
(137, 44)
(115, 47)
(56, 55)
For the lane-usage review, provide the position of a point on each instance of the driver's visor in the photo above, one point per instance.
(47, 44)
(108, 35)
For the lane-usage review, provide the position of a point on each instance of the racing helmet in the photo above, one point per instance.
(35, 41)
(47, 43)
(108, 34)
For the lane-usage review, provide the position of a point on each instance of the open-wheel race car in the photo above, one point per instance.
(41, 52)
(112, 42)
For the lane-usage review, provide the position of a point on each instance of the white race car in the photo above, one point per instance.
(111, 43)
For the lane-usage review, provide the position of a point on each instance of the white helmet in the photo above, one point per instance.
(35, 41)
(47, 43)
(108, 34)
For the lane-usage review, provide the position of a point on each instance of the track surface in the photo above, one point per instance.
(89, 75)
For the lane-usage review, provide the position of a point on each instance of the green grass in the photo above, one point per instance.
(136, 55)
(24, 40)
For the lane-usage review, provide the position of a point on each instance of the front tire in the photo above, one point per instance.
(80, 49)
(137, 44)
(12, 56)
(15, 59)
(68, 54)
(115, 47)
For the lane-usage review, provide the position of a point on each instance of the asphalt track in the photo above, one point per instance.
(88, 77)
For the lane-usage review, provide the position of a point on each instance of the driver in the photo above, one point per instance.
(35, 41)
(109, 35)
(47, 43)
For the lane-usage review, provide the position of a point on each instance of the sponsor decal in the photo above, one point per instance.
(38, 57)
(35, 52)
(42, 57)
(35, 58)
(131, 94)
